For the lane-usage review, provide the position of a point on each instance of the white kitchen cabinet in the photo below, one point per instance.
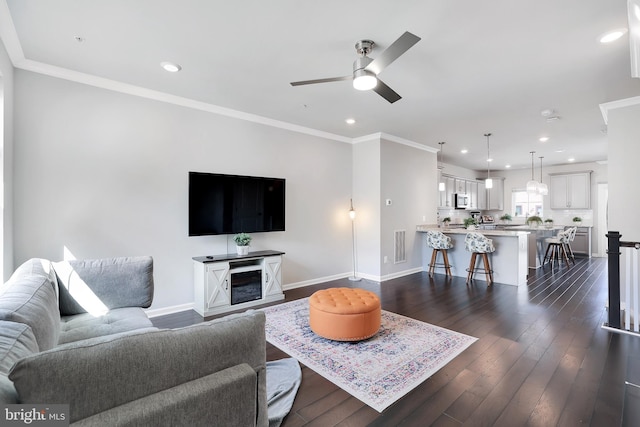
(570, 191)
(482, 196)
(460, 186)
(472, 191)
(495, 195)
(446, 196)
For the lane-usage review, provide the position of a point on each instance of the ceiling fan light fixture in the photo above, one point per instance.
(171, 67)
(364, 80)
(612, 36)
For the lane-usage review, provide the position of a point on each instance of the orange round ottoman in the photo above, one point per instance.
(344, 314)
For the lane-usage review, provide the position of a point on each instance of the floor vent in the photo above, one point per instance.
(399, 254)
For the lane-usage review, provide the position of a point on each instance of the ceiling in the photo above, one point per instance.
(489, 66)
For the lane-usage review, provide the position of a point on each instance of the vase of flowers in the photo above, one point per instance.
(242, 243)
(577, 221)
(446, 222)
(548, 223)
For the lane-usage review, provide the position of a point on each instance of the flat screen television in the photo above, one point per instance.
(229, 204)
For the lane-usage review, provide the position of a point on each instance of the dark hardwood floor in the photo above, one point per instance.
(541, 358)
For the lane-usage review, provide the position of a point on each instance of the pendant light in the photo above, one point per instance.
(532, 186)
(488, 183)
(441, 186)
(543, 190)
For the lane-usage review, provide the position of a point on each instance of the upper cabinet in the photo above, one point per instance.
(446, 197)
(479, 196)
(495, 195)
(482, 196)
(570, 191)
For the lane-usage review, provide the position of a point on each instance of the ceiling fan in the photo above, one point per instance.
(366, 70)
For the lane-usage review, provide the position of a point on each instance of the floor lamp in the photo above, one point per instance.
(352, 215)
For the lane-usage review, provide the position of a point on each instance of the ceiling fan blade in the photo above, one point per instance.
(330, 79)
(386, 92)
(393, 52)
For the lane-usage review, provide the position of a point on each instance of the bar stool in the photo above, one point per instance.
(477, 243)
(557, 246)
(439, 243)
(572, 235)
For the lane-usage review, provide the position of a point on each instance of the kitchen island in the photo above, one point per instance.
(536, 243)
(509, 262)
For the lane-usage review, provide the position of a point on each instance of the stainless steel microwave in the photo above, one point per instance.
(462, 201)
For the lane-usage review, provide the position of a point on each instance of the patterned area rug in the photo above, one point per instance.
(378, 371)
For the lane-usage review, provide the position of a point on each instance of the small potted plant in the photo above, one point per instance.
(242, 243)
(506, 218)
(548, 222)
(446, 221)
(470, 223)
(577, 220)
(534, 221)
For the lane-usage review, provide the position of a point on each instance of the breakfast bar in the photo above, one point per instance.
(509, 262)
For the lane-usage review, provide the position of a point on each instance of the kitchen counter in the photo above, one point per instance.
(513, 233)
(508, 262)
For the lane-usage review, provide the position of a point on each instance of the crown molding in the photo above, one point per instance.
(11, 42)
(613, 105)
(392, 138)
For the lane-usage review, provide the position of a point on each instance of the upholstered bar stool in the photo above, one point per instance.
(477, 243)
(572, 235)
(558, 247)
(439, 243)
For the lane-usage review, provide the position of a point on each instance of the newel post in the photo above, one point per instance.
(613, 255)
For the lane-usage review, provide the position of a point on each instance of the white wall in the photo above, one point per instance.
(385, 169)
(6, 160)
(366, 200)
(105, 174)
(408, 180)
(624, 154)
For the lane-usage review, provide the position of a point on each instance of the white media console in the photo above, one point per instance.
(230, 282)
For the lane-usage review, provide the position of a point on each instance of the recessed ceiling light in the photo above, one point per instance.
(507, 166)
(350, 121)
(464, 151)
(560, 151)
(571, 159)
(544, 139)
(171, 67)
(79, 39)
(612, 36)
(489, 160)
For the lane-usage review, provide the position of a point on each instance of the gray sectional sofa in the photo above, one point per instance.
(76, 333)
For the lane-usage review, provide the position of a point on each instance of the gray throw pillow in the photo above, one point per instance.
(99, 285)
(30, 297)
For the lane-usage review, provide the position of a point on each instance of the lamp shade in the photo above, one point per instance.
(364, 80)
(543, 189)
(532, 186)
(441, 186)
(488, 183)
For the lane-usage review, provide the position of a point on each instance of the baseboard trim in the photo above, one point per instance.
(163, 311)
(305, 283)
